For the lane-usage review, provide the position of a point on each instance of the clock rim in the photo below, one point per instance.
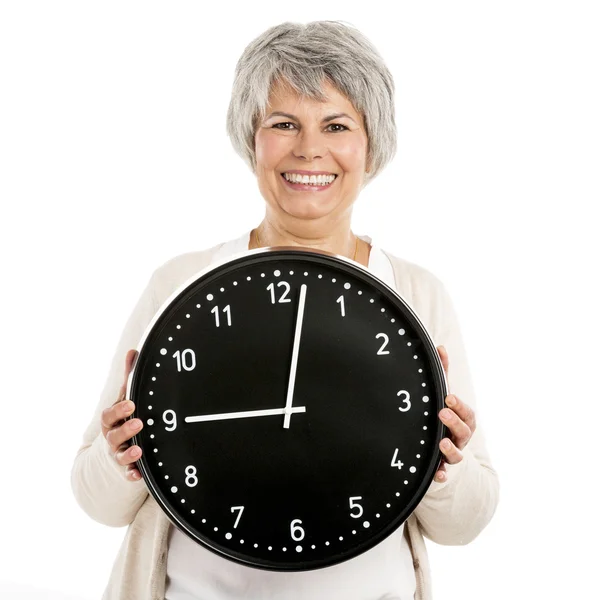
(438, 375)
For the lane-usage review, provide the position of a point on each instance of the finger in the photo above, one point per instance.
(444, 358)
(132, 473)
(441, 472)
(112, 415)
(117, 436)
(463, 410)
(127, 455)
(460, 432)
(452, 454)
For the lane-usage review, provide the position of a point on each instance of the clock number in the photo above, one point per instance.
(296, 531)
(406, 401)
(187, 359)
(395, 461)
(283, 298)
(170, 418)
(385, 343)
(342, 307)
(355, 504)
(227, 310)
(191, 480)
(237, 520)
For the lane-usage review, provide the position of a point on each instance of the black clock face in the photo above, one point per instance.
(290, 402)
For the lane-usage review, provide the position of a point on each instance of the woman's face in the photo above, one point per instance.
(311, 137)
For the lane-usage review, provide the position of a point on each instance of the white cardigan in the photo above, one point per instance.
(452, 513)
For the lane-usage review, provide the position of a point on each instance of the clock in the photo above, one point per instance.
(290, 403)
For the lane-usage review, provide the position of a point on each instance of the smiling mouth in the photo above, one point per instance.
(309, 186)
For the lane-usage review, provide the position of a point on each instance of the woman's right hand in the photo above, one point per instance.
(117, 431)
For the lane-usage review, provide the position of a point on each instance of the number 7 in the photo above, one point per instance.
(241, 509)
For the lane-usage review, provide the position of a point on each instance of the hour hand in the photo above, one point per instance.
(244, 414)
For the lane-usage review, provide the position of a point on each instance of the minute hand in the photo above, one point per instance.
(297, 334)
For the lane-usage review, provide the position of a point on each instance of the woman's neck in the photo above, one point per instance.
(341, 241)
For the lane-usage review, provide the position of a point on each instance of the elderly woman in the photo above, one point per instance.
(312, 113)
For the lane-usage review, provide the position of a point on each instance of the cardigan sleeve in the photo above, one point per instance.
(97, 480)
(454, 512)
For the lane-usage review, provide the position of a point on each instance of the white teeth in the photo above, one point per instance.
(309, 179)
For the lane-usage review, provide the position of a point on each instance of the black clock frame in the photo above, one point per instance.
(265, 255)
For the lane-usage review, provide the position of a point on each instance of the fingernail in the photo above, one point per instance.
(129, 406)
(136, 452)
(441, 475)
(446, 445)
(136, 424)
(451, 400)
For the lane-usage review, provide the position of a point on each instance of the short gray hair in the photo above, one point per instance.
(305, 55)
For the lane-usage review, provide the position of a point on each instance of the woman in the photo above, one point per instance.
(312, 113)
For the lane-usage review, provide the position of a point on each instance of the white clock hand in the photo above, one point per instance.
(243, 414)
(292, 381)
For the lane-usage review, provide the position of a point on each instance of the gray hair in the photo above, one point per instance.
(305, 56)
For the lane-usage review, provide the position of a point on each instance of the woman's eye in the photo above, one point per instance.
(284, 128)
(338, 125)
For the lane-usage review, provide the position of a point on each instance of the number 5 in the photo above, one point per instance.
(355, 504)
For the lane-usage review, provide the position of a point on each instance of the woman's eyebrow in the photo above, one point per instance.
(325, 120)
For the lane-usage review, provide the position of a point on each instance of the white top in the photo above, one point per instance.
(384, 572)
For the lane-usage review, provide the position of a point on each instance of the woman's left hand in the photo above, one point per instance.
(459, 418)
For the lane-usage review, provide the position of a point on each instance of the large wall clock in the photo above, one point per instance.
(290, 404)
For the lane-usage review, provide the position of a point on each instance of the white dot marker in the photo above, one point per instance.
(327, 543)
(155, 450)
(405, 482)
(415, 356)
(291, 272)
(174, 489)
(235, 283)
(305, 274)
(401, 331)
(424, 427)
(270, 548)
(320, 276)
(360, 292)
(313, 546)
(170, 339)
(284, 549)
(248, 278)
(216, 529)
(347, 286)
(425, 398)
(222, 289)
(152, 436)
(150, 421)
(423, 385)
(388, 505)
(197, 305)
(166, 477)
(262, 274)
(409, 344)
(209, 297)
(158, 364)
(160, 464)
(418, 456)
(204, 520)
(397, 494)
(193, 511)
(371, 300)
(183, 501)
(392, 320)
(178, 326)
(298, 548)
(413, 469)
(163, 351)
(149, 408)
(333, 280)
(378, 515)
(366, 524)
(256, 545)
(228, 536)
(341, 539)
(354, 532)
(277, 273)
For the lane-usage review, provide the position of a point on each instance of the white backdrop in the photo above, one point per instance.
(114, 158)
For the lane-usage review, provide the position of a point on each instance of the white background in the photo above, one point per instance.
(114, 158)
